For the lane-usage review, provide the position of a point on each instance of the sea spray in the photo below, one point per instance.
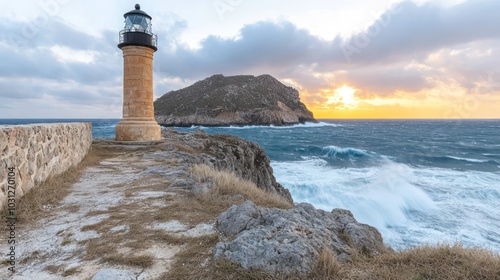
(379, 196)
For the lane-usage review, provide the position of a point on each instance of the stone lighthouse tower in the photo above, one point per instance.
(138, 44)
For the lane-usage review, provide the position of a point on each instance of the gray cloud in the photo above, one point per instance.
(260, 45)
(376, 59)
(407, 32)
(410, 30)
(30, 69)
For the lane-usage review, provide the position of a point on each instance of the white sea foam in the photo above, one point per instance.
(468, 159)
(410, 206)
(338, 150)
(304, 125)
(491, 155)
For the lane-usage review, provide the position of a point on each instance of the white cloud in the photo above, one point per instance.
(65, 55)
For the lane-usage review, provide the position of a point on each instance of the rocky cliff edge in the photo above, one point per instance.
(183, 207)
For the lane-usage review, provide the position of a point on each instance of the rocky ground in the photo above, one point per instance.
(109, 217)
(142, 206)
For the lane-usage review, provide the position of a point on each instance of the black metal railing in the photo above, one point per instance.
(138, 36)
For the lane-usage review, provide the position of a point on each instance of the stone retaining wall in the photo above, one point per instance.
(39, 151)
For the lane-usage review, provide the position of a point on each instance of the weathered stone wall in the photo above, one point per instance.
(39, 151)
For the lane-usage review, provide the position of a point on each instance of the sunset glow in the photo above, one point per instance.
(441, 102)
(343, 98)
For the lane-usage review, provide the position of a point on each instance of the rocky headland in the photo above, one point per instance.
(232, 100)
(200, 206)
(138, 206)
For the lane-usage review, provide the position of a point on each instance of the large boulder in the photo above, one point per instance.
(291, 241)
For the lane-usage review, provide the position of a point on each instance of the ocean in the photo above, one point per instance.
(417, 181)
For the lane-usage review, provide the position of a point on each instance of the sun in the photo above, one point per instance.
(343, 98)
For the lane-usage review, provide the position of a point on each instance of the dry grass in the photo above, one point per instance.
(69, 272)
(188, 203)
(227, 190)
(143, 261)
(444, 262)
(328, 267)
(35, 203)
(135, 237)
(65, 242)
(227, 184)
(185, 148)
(194, 261)
(431, 262)
(54, 268)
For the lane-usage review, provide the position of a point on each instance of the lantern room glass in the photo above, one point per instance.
(138, 23)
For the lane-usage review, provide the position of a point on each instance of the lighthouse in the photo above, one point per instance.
(138, 43)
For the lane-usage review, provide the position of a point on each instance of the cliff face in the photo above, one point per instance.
(229, 153)
(235, 100)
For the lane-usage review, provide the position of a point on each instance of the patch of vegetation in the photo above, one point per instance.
(143, 261)
(54, 268)
(65, 242)
(447, 262)
(226, 186)
(69, 272)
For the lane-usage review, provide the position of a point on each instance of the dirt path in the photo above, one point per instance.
(112, 219)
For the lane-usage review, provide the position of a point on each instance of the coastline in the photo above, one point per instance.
(160, 178)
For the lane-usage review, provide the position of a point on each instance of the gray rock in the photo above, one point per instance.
(290, 241)
(227, 153)
(237, 219)
(114, 274)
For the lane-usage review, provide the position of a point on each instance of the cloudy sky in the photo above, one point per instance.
(348, 59)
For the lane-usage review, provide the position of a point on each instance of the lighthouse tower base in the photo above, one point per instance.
(135, 130)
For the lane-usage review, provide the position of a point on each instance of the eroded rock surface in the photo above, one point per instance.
(230, 153)
(290, 241)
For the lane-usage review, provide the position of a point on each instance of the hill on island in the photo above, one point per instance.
(233, 100)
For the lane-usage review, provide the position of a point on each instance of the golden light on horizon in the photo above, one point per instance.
(443, 101)
(344, 98)
(343, 103)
